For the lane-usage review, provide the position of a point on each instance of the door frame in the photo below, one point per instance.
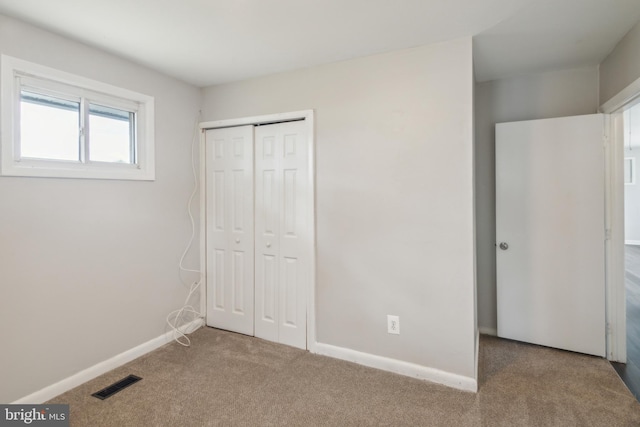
(614, 220)
(308, 117)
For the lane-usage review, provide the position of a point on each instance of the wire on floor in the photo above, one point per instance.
(182, 321)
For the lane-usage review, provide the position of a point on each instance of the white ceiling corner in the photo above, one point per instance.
(553, 34)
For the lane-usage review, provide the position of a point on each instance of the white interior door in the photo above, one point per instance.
(550, 232)
(229, 229)
(282, 233)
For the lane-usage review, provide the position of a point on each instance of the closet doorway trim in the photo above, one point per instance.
(308, 117)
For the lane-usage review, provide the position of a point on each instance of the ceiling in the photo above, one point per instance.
(207, 42)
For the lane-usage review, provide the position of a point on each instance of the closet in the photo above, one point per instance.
(258, 230)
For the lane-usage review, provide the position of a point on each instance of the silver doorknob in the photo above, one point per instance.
(237, 240)
(268, 245)
(504, 246)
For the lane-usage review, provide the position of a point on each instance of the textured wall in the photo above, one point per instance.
(394, 170)
(622, 66)
(88, 268)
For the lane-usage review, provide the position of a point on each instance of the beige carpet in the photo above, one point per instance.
(226, 379)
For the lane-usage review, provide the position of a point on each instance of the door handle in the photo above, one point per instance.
(504, 246)
(268, 245)
(237, 240)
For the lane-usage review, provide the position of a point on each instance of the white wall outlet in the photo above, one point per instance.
(393, 324)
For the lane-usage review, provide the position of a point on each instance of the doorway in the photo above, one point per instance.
(258, 228)
(630, 140)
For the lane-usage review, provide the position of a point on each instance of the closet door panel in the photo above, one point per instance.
(294, 234)
(229, 225)
(267, 199)
(281, 230)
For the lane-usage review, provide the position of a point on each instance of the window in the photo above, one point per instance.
(56, 124)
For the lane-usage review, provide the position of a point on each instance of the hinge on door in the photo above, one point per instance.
(607, 234)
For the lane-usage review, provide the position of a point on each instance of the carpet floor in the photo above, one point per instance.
(226, 379)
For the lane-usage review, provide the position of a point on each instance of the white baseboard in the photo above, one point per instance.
(632, 242)
(488, 331)
(92, 372)
(398, 366)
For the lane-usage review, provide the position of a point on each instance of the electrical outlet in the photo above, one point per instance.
(393, 324)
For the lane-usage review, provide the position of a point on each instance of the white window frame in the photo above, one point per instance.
(16, 73)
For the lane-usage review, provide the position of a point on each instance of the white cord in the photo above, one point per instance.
(176, 322)
(176, 319)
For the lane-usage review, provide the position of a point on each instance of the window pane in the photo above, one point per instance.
(110, 135)
(49, 127)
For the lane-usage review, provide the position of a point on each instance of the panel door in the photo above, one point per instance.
(282, 235)
(550, 232)
(229, 225)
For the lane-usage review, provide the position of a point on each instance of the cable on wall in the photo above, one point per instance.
(181, 320)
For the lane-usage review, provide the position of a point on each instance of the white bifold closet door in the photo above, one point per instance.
(258, 233)
(229, 225)
(282, 197)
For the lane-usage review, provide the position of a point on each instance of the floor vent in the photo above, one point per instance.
(116, 387)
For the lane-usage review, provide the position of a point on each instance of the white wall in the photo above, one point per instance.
(394, 196)
(88, 268)
(539, 96)
(622, 66)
